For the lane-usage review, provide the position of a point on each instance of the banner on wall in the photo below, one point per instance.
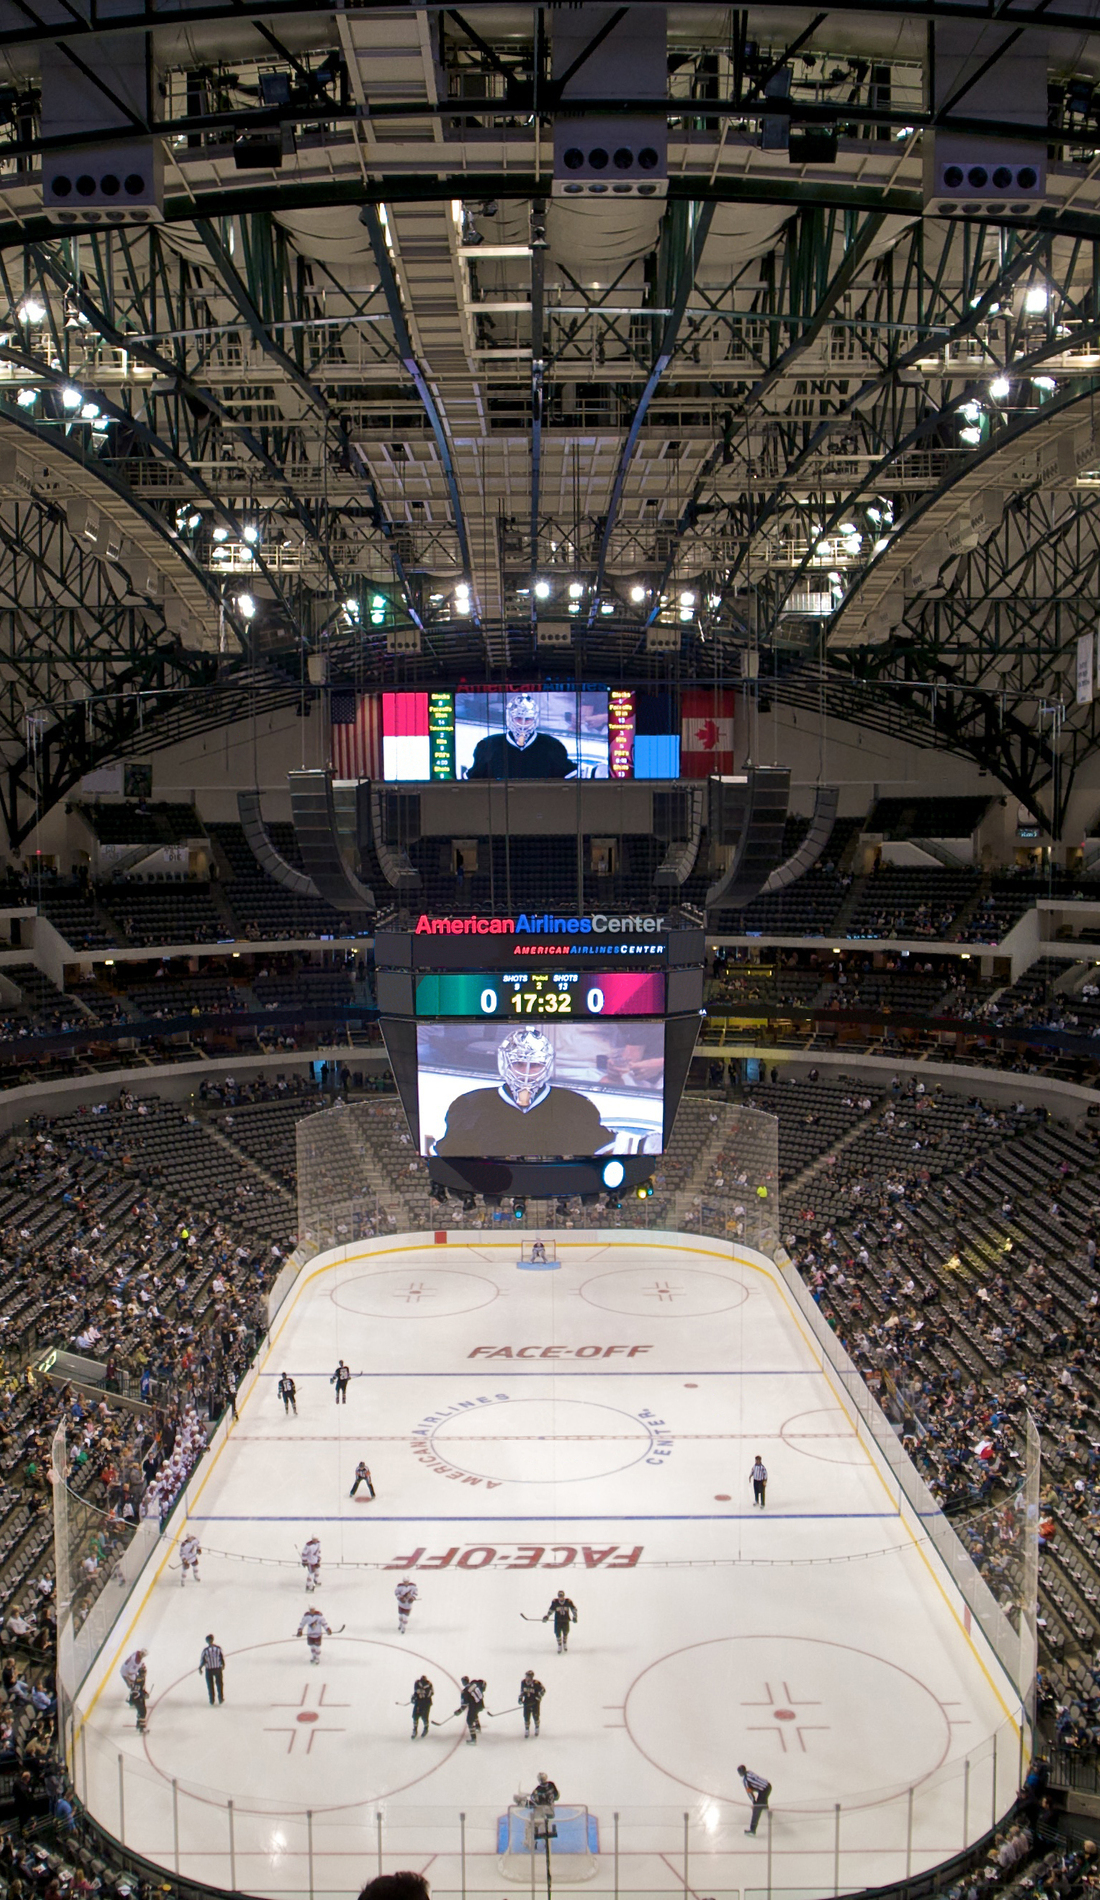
(706, 731)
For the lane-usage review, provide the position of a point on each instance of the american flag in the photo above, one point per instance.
(356, 720)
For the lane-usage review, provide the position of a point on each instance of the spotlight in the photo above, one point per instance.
(637, 595)
(31, 311)
(613, 1174)
(71, 398)
(542, 590)
(519, 1209)
(27, 398)
(246, 606)
(576, 590)
(1000, 388)
(251, 534)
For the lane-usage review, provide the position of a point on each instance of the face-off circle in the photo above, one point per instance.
(824, 1721)
(656, 1293)
(825, 1434)
(414, 1293)
(297, 1726)
(542, 1441)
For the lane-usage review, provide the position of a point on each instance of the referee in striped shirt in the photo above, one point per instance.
(758, 1788)
(213, 1661)
(759, 1476)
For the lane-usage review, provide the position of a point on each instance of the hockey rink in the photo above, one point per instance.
(590, 1428)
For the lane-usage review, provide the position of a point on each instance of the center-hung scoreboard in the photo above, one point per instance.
(538, 1053)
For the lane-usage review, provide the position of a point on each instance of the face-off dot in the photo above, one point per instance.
(721, 1497)
(306, 1715)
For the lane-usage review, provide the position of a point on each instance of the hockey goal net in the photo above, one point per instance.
(530, 1256)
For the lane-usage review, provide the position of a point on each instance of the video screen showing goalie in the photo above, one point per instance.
(541, 1090)
(521, 735)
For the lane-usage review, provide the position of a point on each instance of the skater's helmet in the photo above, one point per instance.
(465, 1680)
(525, 1062)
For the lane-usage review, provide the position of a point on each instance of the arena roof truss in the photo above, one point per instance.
(370, 403)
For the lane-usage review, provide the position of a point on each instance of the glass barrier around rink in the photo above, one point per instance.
(875, 1837)
(97, 1561)
(348, 1157)
(720, 1178)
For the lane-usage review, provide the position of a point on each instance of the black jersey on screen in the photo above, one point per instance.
(497, 757)
(481, 1122)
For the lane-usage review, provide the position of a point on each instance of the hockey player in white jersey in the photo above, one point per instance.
(311, 1562)
(190, 1552)
(135, 1676)
(313, 1627)
(406, 1593)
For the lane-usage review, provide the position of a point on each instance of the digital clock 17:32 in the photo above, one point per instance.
(532, 993)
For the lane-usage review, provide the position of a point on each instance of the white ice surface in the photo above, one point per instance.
(812, 1640)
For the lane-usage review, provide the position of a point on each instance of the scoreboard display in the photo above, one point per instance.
(538, 993)
(540, 1041)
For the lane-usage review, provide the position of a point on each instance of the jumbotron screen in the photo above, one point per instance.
(529, 733)
(511, 994)
(540, 1088)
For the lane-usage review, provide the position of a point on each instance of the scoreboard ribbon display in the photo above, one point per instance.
(518, 994)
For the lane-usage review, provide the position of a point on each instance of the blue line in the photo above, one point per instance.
(601, 1517)
(553, 1368)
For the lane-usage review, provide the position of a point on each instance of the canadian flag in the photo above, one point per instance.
(706, 731)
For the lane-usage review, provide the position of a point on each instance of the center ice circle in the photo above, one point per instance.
(676, 1292)
(542, 1441)
(826, 1721)
(414, 1293)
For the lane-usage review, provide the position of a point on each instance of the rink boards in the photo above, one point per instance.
(591, 1429)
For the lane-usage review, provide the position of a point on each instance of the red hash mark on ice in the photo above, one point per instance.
(305, 1718)
(782, 1713)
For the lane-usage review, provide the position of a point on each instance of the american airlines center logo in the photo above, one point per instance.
(542, 924)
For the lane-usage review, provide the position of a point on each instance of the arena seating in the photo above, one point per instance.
(900, 902)
(166, 911)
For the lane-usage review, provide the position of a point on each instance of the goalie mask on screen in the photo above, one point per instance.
(525, 1061)
(522, 720)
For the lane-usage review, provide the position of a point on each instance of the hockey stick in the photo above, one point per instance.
(446, 1718)
(495, 1712)
(534, 1619)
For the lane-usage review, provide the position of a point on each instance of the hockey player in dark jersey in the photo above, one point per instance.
(531, 1692)
(525, 1115)
(473, 1701)
(564, 1611)
(521, 750)
(421, 1704)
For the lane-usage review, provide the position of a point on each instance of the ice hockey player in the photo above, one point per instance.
(564, 1611)
(288, 1392)
(540, 1801)
(311, 1562)
(135, 1676)
(190, 1552)
(340, 1380)
(531, 1692)
(406, 1593)
(538, 1253)
(421, 1704)
(473, 1701)
(362, 1476)
(313, 1627)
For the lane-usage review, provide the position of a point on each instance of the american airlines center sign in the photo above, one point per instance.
(539, 924)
